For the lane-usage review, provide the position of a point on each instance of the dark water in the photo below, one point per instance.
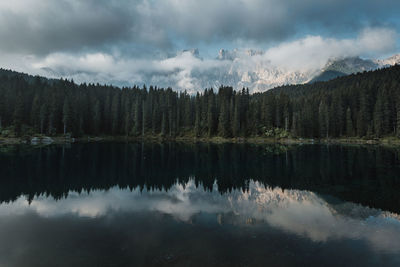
(199, 205)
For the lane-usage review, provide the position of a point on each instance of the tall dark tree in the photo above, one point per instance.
(323, 114)
(211, 115)
(349, 123)
(96, 117)
(18, 114)
(66, 114)
(43, 116)
(35, 113)
(115, 106)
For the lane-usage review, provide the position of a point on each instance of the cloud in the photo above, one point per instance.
(42, 27)
(289, 62)
(45, 26)
(314, 51)
(129, 42)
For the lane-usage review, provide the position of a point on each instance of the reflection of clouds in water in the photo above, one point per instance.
(300, 212)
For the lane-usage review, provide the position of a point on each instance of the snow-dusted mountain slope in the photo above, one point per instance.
(188, 70)
(253, 69)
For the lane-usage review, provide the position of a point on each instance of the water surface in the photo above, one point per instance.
(199, 205)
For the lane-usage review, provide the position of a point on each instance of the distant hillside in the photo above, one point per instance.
(27, 77)
(327, 75)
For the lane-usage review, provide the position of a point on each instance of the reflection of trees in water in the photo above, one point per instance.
(367, 175)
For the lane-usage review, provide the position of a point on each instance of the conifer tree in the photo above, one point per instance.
(18, 114)
(66, 114)
(378, 116)
(349, 123)
(236, 117)
(115, 106)
(211, 120)
(35, 113)
(96, 117)
(43, 116)
(323, 119)
(223, 126)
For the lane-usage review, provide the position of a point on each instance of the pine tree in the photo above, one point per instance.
(398, 123)
(144, 118)
(18, 114)
(52, 115)
(211, 120)
(96, 117)
(295, 125)
(236, 117)
(269, 111)
(115, 106)
(363, 117)
(163, 125)
(155, 122)
(107, 114)
(197, 123)
(2, 108)
(349, 123)
(66, 114)
(378, 116)
(323, 119)
(35, 113)
(397, 130)
(137, 121)
(127, 123)
(223, 126)
(43, 116)
(387, 113)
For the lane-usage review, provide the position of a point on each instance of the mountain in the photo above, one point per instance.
(261, 74)
(391, 61)
(327, 75)
(345, 66)
(188, 70)
(350, 65)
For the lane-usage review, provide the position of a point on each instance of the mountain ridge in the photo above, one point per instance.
(258, 77)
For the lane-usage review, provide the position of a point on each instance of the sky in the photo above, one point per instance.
(127, 42)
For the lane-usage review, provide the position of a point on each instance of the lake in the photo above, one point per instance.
(173, 204)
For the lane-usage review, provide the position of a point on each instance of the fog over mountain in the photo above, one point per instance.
(193, 44)
(289, 63)
(187, 70)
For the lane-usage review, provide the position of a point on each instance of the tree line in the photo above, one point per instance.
(364, 104)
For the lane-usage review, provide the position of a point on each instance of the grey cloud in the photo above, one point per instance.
(49, 26)
(287, 63)
(41, 27)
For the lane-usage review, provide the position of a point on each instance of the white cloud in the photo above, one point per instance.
(314, 51)
(289, 62)
(377, 40)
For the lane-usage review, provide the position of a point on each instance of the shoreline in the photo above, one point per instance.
(46, 140)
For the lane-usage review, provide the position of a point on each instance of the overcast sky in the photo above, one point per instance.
(128, 42)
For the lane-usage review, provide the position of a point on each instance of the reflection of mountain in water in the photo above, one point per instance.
(298, 212)
(365, 175)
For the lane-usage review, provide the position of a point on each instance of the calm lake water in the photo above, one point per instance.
(199, 205)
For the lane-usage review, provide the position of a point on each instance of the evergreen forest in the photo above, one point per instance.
(359, 105)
